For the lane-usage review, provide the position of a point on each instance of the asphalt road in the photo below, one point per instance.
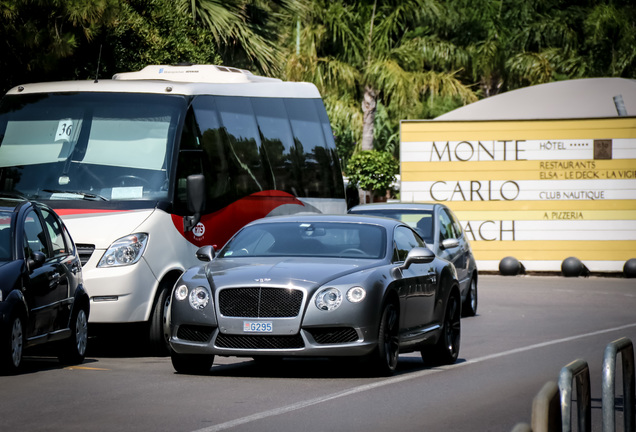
(526, 330)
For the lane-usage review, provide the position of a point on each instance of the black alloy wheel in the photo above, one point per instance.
(446, 350)
(388, 350)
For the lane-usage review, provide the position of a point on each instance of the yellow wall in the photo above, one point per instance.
(538, 190)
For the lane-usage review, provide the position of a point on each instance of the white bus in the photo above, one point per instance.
(149, 166)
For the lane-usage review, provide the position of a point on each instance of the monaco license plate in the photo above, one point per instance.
(257, 326)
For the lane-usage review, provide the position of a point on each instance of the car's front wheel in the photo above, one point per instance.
(73, 350)
(194, 364)
(446, 350)
(385, 357)
(12, 345)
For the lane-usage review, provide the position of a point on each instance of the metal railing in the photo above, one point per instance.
(579, 371)
(625, 347)
(552, 406)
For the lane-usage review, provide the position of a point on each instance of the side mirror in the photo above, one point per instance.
(35, 260)
(195, 190)
(418, 255)
(206, 253)
(450, 243)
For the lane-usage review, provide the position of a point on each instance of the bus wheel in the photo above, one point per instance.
(157, 338)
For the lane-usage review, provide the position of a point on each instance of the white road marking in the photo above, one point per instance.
(397, 379)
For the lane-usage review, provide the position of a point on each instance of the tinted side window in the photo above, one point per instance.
(277, 141)
(405, 240)
(34, 237)
(456, 225)
(446, 229)
(56, 234)
(256, 144)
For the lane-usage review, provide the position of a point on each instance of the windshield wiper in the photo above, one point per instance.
(84, 195)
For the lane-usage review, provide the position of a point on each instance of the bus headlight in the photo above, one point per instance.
(125, 251)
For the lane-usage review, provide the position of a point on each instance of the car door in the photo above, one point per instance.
(45, 287)
(417, 285)
(67, 263)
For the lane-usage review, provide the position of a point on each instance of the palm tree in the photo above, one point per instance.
(359, 53)
(245, 31)
(518, 43)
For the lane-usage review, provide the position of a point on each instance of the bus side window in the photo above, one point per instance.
(212, 157)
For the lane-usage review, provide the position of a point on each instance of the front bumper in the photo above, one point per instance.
(120, 294)
(308, 342)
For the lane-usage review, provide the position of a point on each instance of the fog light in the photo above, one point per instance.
(181, 292)
(356, 294)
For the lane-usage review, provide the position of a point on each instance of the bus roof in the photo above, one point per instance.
(183, 80)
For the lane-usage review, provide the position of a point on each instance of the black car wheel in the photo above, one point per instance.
(446, 350)
(194, 364)
(11, 352)
(386, 354)
(469, 307)
(73, 350)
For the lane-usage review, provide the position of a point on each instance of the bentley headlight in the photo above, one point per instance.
(356, 294)
(181, 292)
(199, 298)
(328, 299)
(125, 251)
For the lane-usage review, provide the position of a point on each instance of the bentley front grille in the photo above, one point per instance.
(257, 302)
(259, 342)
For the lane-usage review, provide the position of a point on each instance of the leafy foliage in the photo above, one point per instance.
(362, 53)
(376, 62)
(372, 170)
(48, 40)
(244, 32)
(152, 32)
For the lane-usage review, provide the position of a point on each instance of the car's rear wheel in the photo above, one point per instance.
(469, 307)
(73, 350)
(385, 357)
(446, 350)
(13, 343)
(194, 364)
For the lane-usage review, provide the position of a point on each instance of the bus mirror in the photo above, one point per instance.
(195, 189)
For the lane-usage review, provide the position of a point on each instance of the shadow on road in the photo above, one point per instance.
(310, 368)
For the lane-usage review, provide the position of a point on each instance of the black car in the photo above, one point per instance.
(42, 297)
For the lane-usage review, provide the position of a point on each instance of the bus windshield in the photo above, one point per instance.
(96, 146)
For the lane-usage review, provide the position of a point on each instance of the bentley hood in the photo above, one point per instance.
(301, 272)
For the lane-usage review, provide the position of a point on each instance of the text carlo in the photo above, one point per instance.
(476, 190)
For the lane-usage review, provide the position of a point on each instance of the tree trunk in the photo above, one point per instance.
(368, 117)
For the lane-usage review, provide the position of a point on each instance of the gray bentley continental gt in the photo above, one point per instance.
(317, 286)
